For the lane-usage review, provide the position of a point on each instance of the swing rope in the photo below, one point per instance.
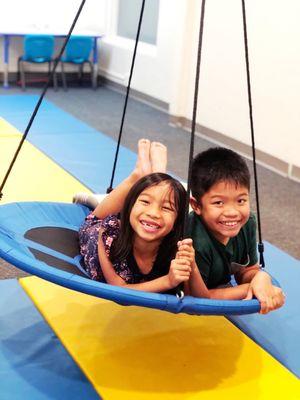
(110, 188)
(180, 288)
(194, 117)
(260, 243)
(44, 91)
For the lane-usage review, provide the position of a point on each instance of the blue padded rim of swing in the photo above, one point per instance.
(17, 218)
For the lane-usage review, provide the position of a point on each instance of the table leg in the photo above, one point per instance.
(95, 63)
(6, 60)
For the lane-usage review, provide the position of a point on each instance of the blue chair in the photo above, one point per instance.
(78, 52)
(38, 49)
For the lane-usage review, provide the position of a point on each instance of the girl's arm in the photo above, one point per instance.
(195, 286)
(179, 272)
(114, 201)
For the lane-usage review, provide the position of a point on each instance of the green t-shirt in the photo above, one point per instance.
(216, 262)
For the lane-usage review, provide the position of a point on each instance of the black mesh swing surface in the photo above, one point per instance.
(62, 240)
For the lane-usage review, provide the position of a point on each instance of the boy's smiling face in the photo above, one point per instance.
(224, 209)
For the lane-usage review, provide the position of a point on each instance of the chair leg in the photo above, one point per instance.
(55, 85)
(18, 72)
(63, 76)
(22, 74)
(80, 73)
(93, 80)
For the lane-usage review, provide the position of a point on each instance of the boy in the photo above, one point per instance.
(223, 229)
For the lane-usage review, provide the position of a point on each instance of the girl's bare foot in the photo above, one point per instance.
(143, 165)
(158, 157)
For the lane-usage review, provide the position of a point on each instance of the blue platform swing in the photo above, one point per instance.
(41, 237)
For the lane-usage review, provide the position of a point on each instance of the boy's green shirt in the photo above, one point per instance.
(216, 262)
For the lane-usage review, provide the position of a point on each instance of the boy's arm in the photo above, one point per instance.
(260, 285)
(245, 275)
(196, 286)
(252, 282)
(238, 292)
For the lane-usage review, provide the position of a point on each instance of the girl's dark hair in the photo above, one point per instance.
(215, 165)
(122, 246)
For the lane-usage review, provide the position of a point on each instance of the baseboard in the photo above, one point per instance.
(295, 173)
(39, 78)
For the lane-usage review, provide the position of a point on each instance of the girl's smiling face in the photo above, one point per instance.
(224, 209)
(153, 215)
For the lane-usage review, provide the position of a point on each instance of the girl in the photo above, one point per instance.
(139, 251)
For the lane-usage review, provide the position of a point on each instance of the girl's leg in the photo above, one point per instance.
(143, 167)
(143, 164)
(113, 202)
(87, 199)
(158, 157)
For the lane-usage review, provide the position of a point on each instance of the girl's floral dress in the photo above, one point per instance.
(88, 241)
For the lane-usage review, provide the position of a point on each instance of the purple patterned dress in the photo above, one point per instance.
(88, 241)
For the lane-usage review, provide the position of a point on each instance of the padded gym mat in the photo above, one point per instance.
(33, 363)
(136, 353)
(278, 332)
(34, 176)
(81, 150)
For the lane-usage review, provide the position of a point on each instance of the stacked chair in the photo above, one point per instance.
(38, 49)
(78, 52)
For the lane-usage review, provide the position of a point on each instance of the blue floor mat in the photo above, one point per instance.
(33, 363)
(279, 331)
(81, 150)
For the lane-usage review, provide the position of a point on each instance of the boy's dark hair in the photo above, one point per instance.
(122, 246)
(215, 165)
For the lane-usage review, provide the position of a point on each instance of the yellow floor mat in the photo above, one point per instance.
(136, 353)
(34, 176)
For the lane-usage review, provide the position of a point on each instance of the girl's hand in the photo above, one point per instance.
(186, 251)
(179, 272)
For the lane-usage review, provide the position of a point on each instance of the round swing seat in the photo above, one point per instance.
(41, 239)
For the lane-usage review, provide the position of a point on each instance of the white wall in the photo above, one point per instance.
(274, 51)
(44, 16)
